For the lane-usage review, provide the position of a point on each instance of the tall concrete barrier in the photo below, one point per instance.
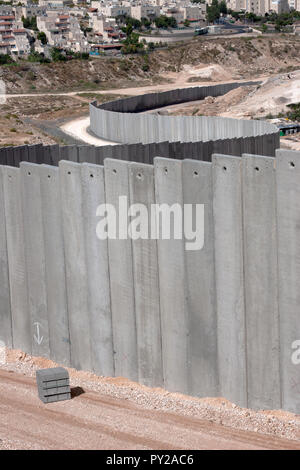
(200, 280)
(5, 310)
(96, 252)
(35, 258)
(21, 321)
(56, 289)
(121, 273)
(76, 269)
(146, 282)
(288, 223)
(229, 269)
(217, 321)
(172, 282)
(125, 121)
(260, 268)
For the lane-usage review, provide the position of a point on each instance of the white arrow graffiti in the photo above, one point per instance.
(38, 338)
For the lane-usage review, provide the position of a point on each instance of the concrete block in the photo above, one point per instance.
(52, 386)
(93, 194)
(229, 269)
(121, 276)
(56, 288)
(75, 260)
(260, 270)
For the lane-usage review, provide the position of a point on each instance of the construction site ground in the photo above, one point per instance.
(115, 413)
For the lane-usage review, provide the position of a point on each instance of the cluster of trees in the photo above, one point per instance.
(160, 22)
(165, 22)
(294, 114)
(5, 59)
(42, 37)
(280, 21)
(30, 23)
(58, 55)
(131, 44)
(213, 11)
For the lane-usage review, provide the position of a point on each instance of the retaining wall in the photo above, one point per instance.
(222, 321)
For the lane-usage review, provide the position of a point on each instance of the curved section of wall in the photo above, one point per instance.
(123, 120)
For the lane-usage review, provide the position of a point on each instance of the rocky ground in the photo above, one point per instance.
(240, 57)
(33, 119)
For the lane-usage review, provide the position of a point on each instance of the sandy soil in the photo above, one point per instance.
(271, 97)
(115, 413)
(79, 129)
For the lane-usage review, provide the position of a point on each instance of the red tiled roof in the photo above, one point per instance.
(11, 18)
(19, 30)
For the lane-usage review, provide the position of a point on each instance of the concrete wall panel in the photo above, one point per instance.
(200, 279)
(96, 251)
(76, 270)
(121, 275)
(57, 307)
(21, 323)
(260, 269)
(288, 223)
(229, 269)
(146, 284)
(35, 258)
(5, 310)
(172, 281)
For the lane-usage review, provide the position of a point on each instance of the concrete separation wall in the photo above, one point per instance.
(219, 321)
(140, 153)
(125, 121)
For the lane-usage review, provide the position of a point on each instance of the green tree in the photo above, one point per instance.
(165, 22)
(264, 28)
(56, 55)
(223, 7)
(42, 37)
(213, 11)
(5, 59)
(30, 23)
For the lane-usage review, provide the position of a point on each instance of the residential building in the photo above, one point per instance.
(145, 11)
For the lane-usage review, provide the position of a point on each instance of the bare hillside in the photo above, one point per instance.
(247, 57)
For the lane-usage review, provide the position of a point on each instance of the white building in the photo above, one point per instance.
(63, 30)
(145, 11)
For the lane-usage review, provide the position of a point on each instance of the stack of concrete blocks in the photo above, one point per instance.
(220, 321)
(53, 384)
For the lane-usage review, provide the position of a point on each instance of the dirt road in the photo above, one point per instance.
(95, 421)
